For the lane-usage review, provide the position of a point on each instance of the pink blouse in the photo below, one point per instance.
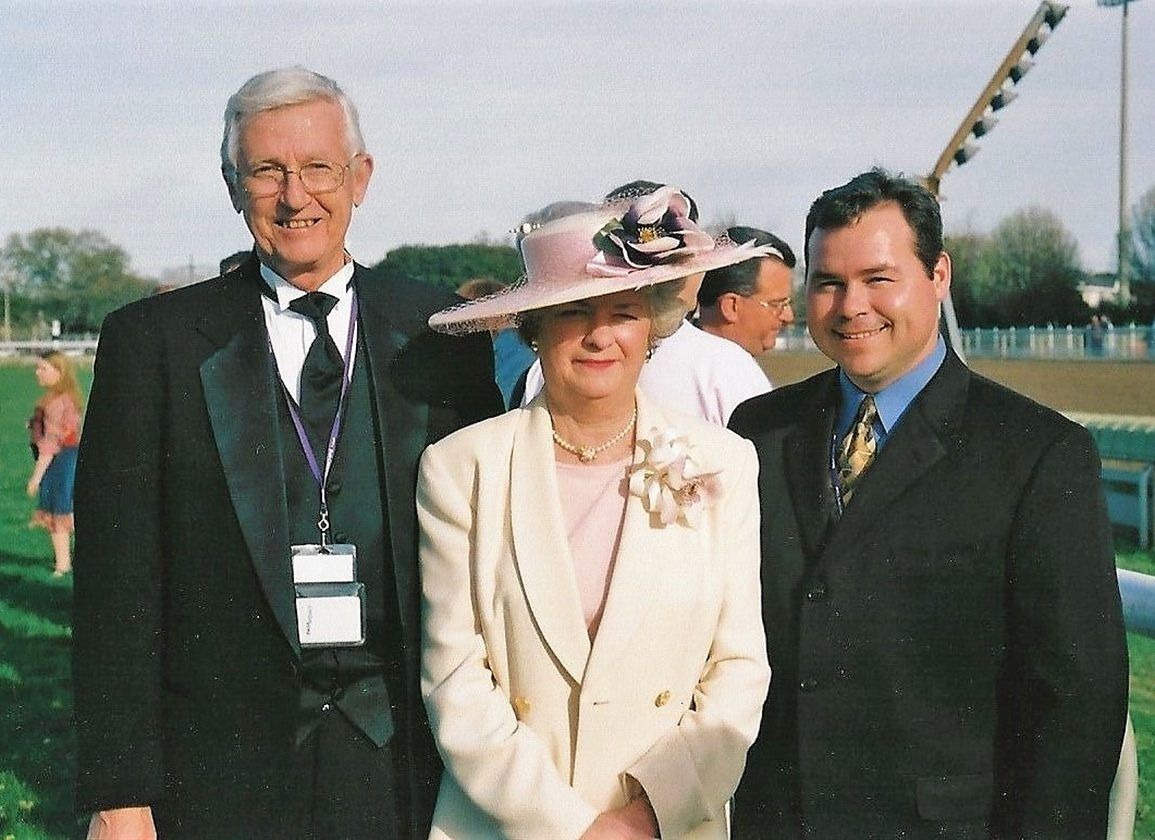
(61, 425)
(593, 501)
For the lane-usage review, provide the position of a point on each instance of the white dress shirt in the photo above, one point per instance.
(291, 333)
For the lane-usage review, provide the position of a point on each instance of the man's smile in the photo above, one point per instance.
(860, 334)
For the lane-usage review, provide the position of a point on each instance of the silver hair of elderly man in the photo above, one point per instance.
(278, 89)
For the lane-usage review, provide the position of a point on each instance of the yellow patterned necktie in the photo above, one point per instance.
(858, 449)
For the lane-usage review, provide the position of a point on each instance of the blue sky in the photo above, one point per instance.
(477, 113)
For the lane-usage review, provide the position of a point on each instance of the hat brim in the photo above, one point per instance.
(499, 311)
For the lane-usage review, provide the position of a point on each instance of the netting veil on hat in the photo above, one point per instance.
(593, 252)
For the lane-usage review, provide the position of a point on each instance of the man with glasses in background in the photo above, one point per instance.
(246, 649)
(748, 303)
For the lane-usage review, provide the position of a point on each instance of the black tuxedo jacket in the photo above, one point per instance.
(949, 657)
(186, 659)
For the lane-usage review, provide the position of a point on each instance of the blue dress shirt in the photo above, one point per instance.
(892, 401)
(511, 358)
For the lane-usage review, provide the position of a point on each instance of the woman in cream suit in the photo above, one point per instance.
(594, 664)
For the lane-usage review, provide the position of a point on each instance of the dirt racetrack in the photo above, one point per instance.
(1094, 385)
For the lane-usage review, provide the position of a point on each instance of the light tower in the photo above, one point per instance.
(979, 121)
(1124, 223)
(998, 93)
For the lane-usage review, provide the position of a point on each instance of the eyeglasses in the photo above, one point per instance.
(317, 178)
(776, 306)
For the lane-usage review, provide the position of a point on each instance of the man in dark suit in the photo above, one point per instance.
(941, 607)
(230, 680)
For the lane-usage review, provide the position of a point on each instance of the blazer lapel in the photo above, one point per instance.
(637, 580)
(240, 384)
(919, 441)
(540, 545)
(807, 466)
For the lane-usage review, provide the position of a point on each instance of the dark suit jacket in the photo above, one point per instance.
(186, 660)
(948, 659)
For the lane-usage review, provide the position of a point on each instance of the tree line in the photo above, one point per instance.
(1026, 271)
(74, 277)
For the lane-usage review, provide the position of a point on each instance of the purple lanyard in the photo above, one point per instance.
(322, 475)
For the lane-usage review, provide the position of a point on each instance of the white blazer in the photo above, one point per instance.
(537, 727)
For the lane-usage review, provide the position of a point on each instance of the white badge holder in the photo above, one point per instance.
(330, 601)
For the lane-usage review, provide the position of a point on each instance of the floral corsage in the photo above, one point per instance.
(656, 229)
(672, 484)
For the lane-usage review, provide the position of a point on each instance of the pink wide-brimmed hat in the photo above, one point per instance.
(599, 250)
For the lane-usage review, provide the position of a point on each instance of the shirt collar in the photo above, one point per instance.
(340, 286)
(893, 400)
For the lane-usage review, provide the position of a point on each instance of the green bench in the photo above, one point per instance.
(1127, 448)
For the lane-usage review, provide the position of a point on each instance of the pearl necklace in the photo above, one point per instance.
(588, 453)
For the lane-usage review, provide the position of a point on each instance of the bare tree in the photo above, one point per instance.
(1143, 239)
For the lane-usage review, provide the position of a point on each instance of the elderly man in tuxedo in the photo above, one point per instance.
(940, 597)
(246, 628)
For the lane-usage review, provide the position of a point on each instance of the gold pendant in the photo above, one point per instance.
(587, 454)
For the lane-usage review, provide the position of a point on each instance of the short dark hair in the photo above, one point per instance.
(841, 206)
(634, 189)
(741, 278)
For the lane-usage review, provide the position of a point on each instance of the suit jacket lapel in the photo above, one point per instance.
(540, 545)
(240, 392)
(402, 425)
(807, 465)
(919, 441)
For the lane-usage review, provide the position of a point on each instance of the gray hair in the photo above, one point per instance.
(667, 309)
(277, 89)
(550, 213)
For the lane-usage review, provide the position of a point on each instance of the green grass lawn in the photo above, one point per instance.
(1143, 718)
(1142, 652)
(36, 741)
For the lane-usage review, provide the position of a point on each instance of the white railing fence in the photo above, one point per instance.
(1134, 342)
(72, 346)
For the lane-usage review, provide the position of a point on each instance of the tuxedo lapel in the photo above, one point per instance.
(402, 424)
(240, 392)
(540, 545)
(807, 465)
